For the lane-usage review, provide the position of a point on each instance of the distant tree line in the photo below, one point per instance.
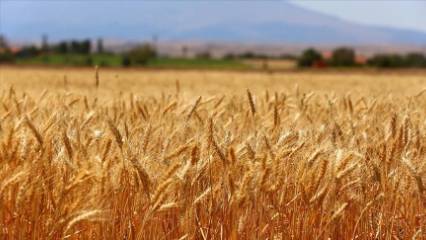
(6, 54)
(64, 47)
(253, 55)
(346, 57)
(139, 56)
(411, 60)
(340, 57)
(74, 46)
(82, 50)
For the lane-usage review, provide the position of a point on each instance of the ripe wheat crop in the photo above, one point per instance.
(177, 163)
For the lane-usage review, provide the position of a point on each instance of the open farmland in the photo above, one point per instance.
(133, 154)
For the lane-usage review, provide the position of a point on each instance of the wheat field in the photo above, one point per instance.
(134, 154)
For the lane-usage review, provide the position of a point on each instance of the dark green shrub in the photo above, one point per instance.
(343, 57)
(309, 58)
(125, 62)
(6, 56)
(141, 55)
(386, 61)
(415, 60)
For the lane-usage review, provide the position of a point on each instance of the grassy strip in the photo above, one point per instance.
(111, 60)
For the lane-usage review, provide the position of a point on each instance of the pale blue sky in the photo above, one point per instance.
(410, 14)
(28, 19)
(394, 13)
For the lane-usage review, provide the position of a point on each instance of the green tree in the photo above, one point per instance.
(28, 52)
(141, 55)
(204, 55)
(415, 60)
(229, 56)
(248, 55)
(61, 47)
(82, 47)
(387, 61)
(6, 56)
(125, 62)
(85, 46)
(74, 46)
(309, 57)
(88, 61)
(343, 57)
(3, 42)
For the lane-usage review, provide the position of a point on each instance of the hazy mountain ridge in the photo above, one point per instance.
(235, 21)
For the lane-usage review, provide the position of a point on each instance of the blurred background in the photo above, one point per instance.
(262, 35)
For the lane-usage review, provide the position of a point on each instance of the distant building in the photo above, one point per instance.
(361, 59)
(327, 55)
(12, 49)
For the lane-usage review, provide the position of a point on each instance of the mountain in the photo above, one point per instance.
(228, 21)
